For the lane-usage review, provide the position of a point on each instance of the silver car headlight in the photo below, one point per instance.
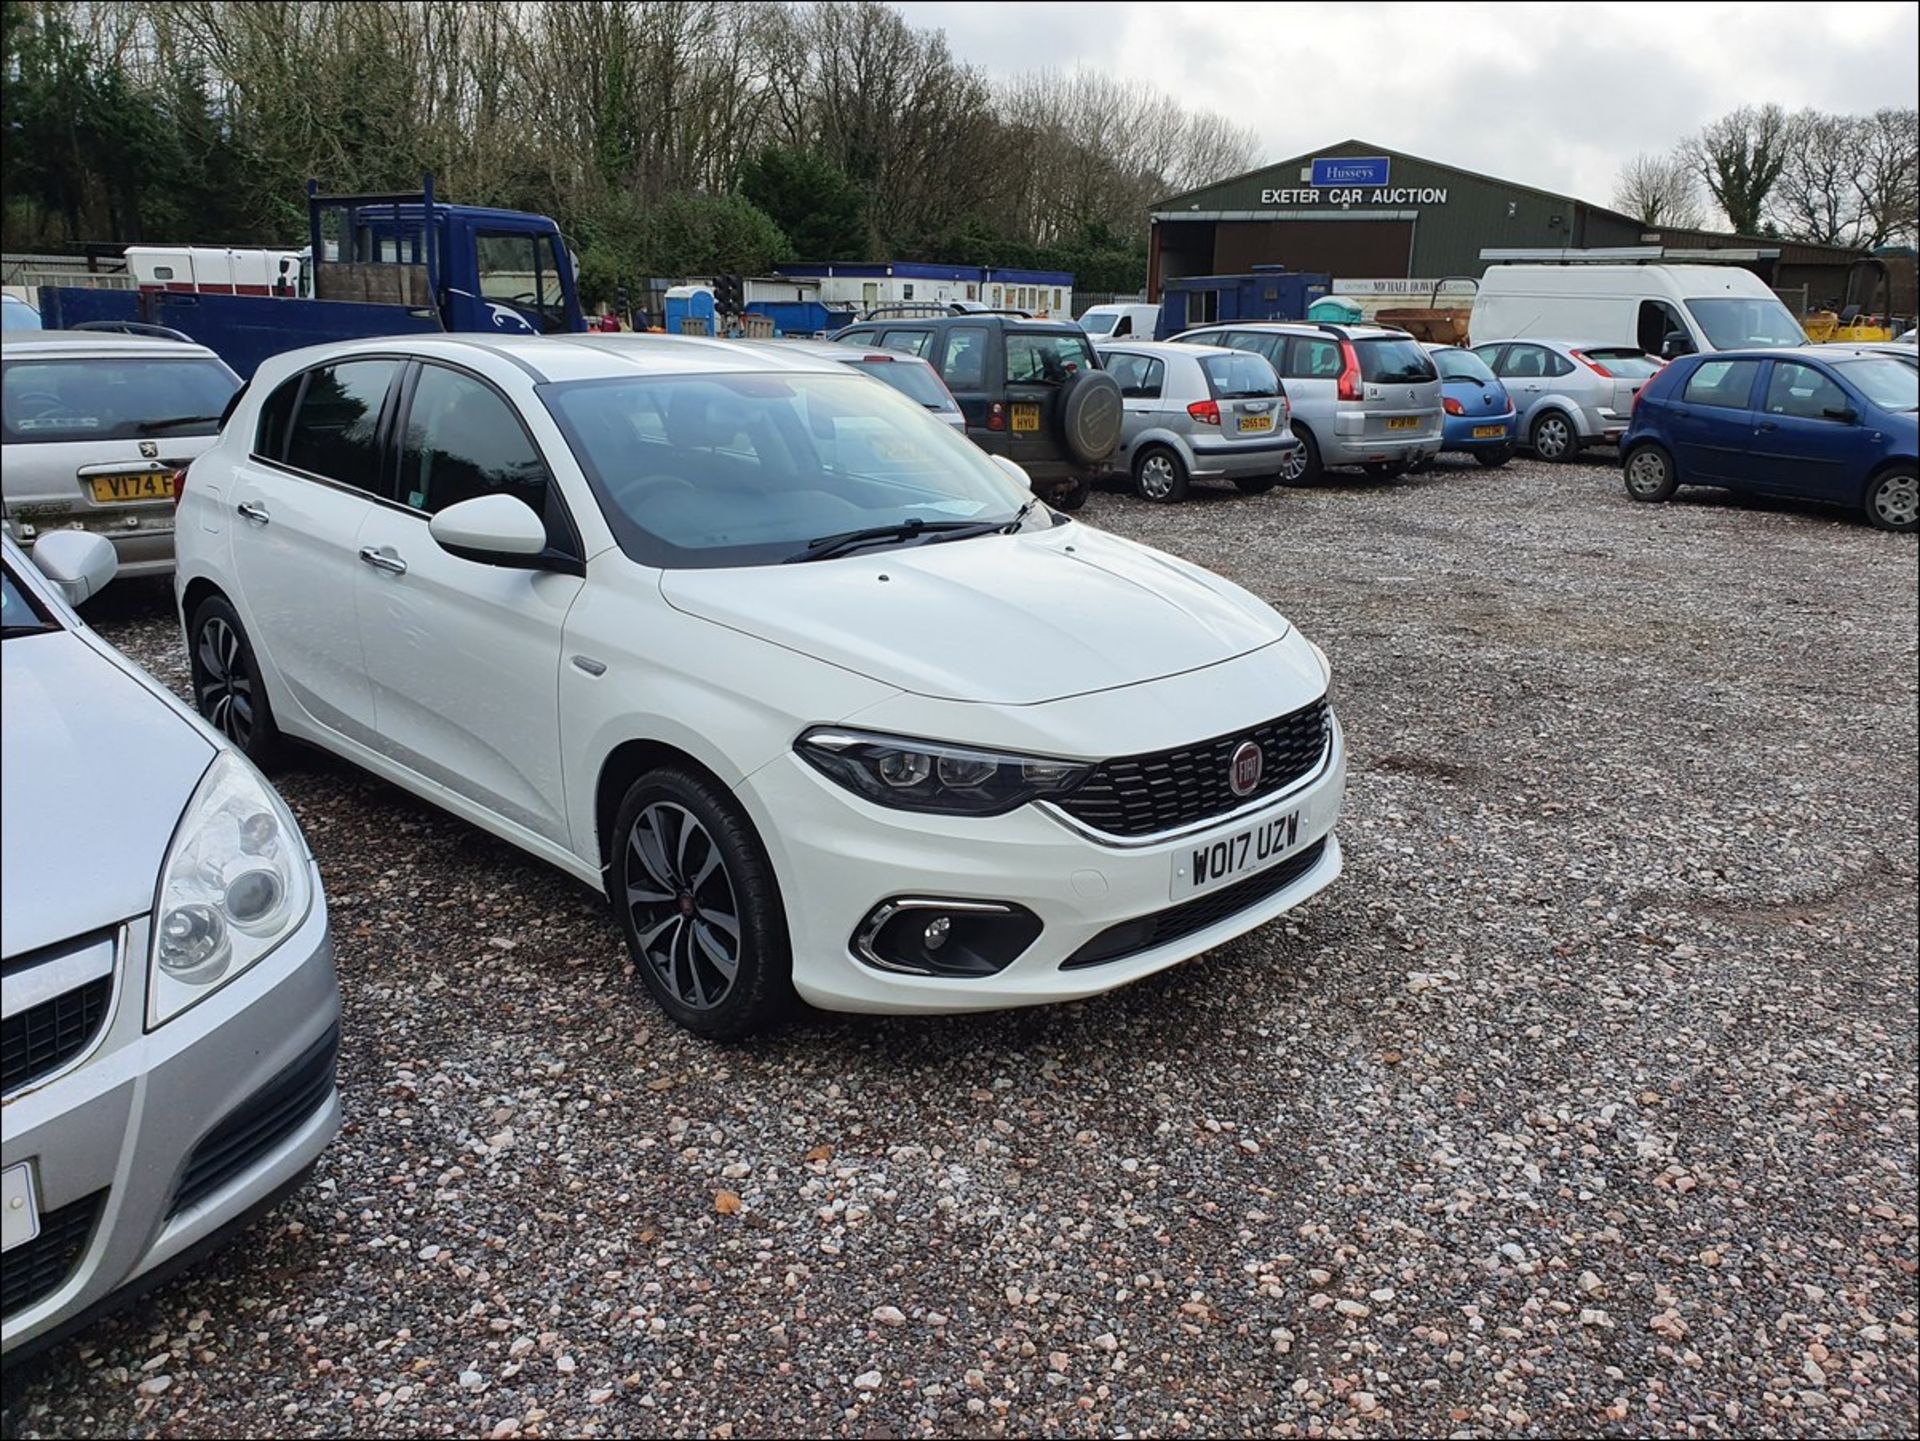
(235, 885)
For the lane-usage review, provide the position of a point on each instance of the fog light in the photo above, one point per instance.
(962, 938)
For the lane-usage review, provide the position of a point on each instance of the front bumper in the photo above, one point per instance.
(115, 1143)
(837, 857)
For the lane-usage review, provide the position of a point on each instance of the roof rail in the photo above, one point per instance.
(135, 327)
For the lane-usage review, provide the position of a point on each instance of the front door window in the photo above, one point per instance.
(520, 274)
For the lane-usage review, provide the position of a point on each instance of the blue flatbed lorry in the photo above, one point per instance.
(388, 264)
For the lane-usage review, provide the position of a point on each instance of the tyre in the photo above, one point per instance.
(227, 689)
(1494, 459)
(1385, 469)
(1553, 437)
(1303, 467)
(1649, 473)
(1091, 411)
(695, 896)
(1159, 475)
(1255, 484)
(1893, 499)
(1072, 494)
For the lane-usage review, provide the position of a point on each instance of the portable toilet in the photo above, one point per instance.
(689, 310)
(1338, 309)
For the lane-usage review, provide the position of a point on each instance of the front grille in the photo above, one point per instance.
(38, 1268)
(45, 1037)
(1145, 795)
(262, 1122)
(1143, 933)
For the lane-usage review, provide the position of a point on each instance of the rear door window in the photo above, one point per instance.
(113, 398)
(1239, 377)
(1722, 384)
(1139, 376)
(1312, 357)
(1394, 362)
(964, 366)
(1262, 343)
(335, 431)
(907, 342)
(1046, 359)
(1522, 362)
(917, 382)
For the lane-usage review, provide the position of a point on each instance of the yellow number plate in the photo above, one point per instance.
(1026, 417)
(1488, 432)
(1404, 422)
(1256, 422)
(148, 485)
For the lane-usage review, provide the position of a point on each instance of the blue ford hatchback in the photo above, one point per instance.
(1828, 423)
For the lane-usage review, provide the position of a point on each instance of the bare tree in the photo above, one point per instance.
(1888, 177)
(1659, 190)
(1848, 179)
(1740, 157)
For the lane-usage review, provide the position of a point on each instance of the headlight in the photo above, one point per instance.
(948, 780)
(1326, 666)
(234, 886)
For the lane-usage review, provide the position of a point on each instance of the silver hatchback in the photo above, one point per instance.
(1568, 393)
(96, 426)
(1362, 395)
(171, 1013)
(1198, 412)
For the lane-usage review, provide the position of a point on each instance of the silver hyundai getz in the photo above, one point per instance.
(170, 1009)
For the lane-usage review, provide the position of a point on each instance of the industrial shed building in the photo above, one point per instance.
(1363, 213)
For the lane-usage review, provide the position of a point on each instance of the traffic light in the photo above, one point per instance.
(729, 294)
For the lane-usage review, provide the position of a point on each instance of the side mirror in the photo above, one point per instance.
(78, 562)
(1845, 414)
(492, 529)
(1677, 344)
(1014, 471)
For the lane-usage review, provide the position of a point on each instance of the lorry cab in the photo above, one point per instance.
(498, 272)
(1664, 310)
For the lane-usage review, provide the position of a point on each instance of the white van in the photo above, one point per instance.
(1120, 318)
(1665, 310)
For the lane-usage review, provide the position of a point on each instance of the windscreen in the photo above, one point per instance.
(1394, 362)
(1239, 376)
(1096, 324)
(725, 470)
(1892, 384)
(1461, 365)
(117, 398)
(1743, 322)
(917, 382)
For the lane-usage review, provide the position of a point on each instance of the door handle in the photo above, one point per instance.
(383, 560)
(253, 511)
(1768, 425)
(1680, 414)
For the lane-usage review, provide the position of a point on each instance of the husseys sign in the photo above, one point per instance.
(1353, 180)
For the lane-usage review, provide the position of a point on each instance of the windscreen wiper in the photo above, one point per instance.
(823, 546)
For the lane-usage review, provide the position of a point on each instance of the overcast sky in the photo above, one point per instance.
(1552, 95)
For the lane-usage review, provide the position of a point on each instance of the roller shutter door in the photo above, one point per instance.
(1339, 247)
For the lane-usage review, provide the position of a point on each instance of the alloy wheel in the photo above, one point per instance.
(1551, 438)
(1897, 502)
(1156, 477)
(1295, 465)
(224, 688)
(686, 919)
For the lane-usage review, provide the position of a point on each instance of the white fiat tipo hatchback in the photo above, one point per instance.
(818, 693)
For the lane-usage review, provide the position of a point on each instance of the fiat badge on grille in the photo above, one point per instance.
(1243, 773)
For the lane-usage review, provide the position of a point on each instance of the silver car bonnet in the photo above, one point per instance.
(94, 774)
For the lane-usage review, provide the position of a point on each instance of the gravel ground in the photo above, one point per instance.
(1584, 1102)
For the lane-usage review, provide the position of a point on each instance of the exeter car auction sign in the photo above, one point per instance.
(1353, 180)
